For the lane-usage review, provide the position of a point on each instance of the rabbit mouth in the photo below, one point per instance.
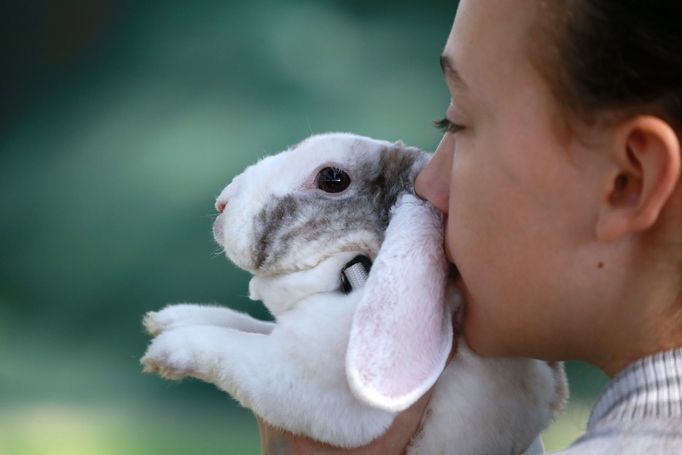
(218, 234)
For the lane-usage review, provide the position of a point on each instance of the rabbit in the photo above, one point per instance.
(338, 365)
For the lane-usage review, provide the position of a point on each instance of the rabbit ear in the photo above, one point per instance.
(401, 333)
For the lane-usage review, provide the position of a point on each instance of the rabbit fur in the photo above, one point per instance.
(338, 367)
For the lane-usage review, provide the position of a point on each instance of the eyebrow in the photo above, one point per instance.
(450, 72)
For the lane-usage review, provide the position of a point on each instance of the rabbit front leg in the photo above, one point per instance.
(298, 394)
(198, 350)
(187, 314)
(232, 360)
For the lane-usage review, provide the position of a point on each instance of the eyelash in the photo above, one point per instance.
(446, 126)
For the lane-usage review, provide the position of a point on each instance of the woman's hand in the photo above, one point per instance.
(278, 442)
(274, 441)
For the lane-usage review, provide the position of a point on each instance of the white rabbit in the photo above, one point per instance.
(338, 366)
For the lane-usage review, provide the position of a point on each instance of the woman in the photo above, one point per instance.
(560, 175)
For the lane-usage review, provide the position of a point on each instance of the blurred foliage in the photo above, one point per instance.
(120, 123)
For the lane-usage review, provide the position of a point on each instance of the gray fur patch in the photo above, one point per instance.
(287, 223)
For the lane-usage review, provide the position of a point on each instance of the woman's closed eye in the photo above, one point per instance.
(446, 126)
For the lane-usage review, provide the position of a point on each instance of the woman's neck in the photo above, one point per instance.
(647, 321)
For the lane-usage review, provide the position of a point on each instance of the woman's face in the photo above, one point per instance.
(518, 195)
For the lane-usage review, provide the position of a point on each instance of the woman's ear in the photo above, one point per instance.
(645, 172)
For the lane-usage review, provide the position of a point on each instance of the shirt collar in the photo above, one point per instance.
(650, 387)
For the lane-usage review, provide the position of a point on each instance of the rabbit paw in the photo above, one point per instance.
(169, 357)
(151, 324)
(172, 316)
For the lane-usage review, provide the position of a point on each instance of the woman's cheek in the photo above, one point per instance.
(461, 214)
(470, 248)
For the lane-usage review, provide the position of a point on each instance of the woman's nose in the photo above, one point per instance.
(433, 182)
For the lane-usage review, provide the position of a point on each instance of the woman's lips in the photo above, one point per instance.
(453, 273)
(455, 279)
(446, 244)
(456, 291)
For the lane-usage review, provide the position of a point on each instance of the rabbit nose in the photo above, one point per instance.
(220, 205)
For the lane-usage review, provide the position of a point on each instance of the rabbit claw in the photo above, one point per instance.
(151, 324)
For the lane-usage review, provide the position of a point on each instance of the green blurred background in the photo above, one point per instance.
(120, 123)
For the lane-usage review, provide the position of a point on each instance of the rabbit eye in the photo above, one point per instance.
(332, 180)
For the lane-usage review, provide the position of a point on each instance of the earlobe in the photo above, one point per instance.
(646, 157)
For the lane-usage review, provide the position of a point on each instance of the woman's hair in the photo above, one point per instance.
(606, 60)
(610, 58)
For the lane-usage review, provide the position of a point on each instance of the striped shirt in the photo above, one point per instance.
(640, 412)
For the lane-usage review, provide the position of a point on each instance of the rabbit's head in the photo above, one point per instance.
(329, 194)
(294, 219)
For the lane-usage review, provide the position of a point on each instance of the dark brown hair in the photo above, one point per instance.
(612, 58)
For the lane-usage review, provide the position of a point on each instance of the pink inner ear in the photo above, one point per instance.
(401, 334)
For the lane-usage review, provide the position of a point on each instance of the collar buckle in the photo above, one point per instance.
(355, 273)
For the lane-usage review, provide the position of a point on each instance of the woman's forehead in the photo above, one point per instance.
(489, 42)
